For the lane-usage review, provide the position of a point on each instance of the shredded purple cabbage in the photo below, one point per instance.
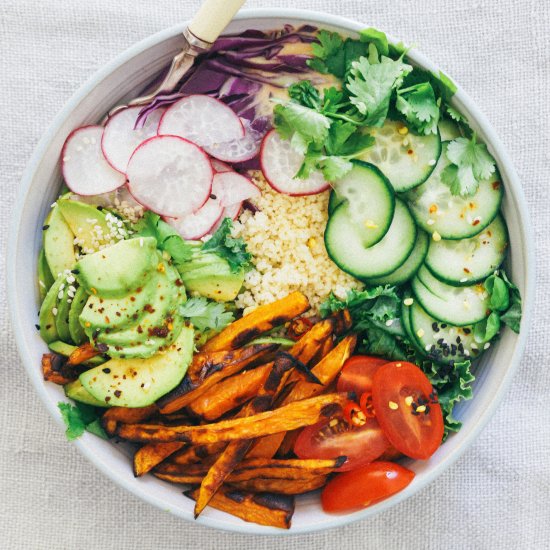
(238, 68)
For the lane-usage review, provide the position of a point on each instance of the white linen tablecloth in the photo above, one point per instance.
(496, 496)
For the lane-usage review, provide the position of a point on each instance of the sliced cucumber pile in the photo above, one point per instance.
(439, 212)
(406, 159)
(470, 260)
(369, 201)
(345, 244)
(439, 341)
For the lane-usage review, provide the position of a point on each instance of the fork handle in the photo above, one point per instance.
(212, 18)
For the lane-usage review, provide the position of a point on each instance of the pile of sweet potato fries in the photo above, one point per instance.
(229, 427)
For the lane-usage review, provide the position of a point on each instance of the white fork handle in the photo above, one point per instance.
(212, 18)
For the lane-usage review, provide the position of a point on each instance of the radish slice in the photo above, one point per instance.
(195, 226)
(232, 188)
(203, 120)
(220, 166)
(120, 139)
(85, 169)
(238, 150)
(170, 175)
(280, 163)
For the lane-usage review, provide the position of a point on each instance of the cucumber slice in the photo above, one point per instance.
(460, 306)
(78, 335)
(409, 268)
(438, 211)
(333, 201)
(470, 260)
(370, 201)
(439, 341)
(345, 247)
(406, 159)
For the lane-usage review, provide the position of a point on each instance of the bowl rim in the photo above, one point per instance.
(513, 186)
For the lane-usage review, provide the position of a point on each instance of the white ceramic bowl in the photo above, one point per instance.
(114, 84)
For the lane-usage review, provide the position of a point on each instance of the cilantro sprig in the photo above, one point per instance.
(230, 249)
(79, 418)
(471, 163)
(206, 315)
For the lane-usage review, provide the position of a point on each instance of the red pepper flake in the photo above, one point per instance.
(118, 393)
(496, 185)
(149, 308)
(178, 282)
(476, 221)
(466, 270)
(410, 152)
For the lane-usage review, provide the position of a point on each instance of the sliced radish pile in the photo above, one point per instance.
(202, 120)
(240, 149)
(170, 175)
(195, 226)
(120, 139)
(232, 188)
(85, 169)
(220, 166)
(280, 163)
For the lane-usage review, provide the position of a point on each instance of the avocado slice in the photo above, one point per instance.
(113, 313)
(214, 281)
(78, 336)
(45, 277)
(58, 243)
(62, 317)
(87, 223)
(76, 391)
(140, 382)
(117, 270)
(48, 313)
(158, 324)
(62, 348)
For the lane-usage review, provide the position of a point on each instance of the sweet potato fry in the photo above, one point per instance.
(252, 468)
(261, 320)
(265, 508)
(236, 450)
(83, 353)
(115, 415)
(195, 453)
(281, 486)
(52, 364)
(186, 393)
(342, 321)
(326, 371)
(289, 417)
(152, 454)
(229, 393)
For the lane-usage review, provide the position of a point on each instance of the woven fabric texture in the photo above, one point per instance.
(496, 496)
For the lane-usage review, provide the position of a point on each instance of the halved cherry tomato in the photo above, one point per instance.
(357, 373)
(365, 486)
(407, 410)
(334, 438)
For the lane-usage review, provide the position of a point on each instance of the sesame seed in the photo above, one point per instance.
(436, 236)
(54, 311)
(408, 301)
(389, 322)
(487, 345)
(408, 400)
(393, 405)
(421, 409)
(464, 279)
(473, 345)
(403, 131)
(333, 422)
(432, 162)
(420, 332)
(398, 364)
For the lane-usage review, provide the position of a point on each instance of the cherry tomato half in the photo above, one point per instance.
(407, 410)
(365, 486)
(334, 438)
(357, 373)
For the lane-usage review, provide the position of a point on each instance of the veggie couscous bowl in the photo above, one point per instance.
(123, 77)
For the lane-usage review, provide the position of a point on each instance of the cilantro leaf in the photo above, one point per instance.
(371, 86)
(79, 418)
(419, 106)
(454, 114)
(311, 125)
(471, 163)
(230, 249)
(334, 167)
(206, 315)
(329, 54)
(168, 239)
(306, 94)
